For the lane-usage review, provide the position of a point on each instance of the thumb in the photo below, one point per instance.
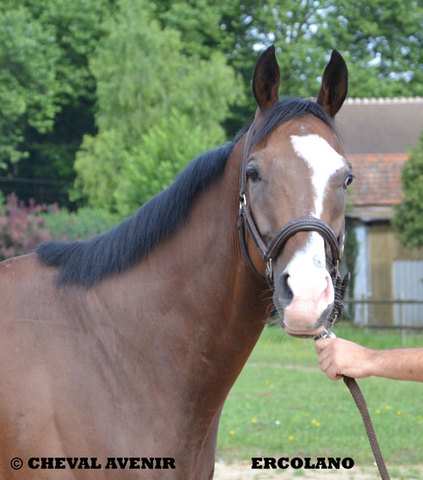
(322, 343)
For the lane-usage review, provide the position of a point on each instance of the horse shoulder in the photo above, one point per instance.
(18, 268)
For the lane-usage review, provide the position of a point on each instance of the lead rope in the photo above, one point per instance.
(371, 434)
(365, 415)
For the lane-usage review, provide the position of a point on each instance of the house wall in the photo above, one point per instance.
(407, 280)
(385, 249)
(362, 285)
(382, 250)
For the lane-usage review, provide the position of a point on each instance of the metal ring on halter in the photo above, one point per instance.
(269, 270)
(325, 334)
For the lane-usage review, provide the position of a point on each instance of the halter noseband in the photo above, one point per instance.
(270, 252)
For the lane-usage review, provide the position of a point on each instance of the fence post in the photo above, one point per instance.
(402, 318)
(364, 309)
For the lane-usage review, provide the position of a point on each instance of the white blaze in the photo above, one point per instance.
(308, 278)
(323, 161)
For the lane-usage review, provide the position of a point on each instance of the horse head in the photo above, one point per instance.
(293, 186)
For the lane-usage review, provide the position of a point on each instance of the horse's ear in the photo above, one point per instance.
(334, 84)
(266, 79)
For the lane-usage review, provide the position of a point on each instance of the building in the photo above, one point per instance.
(377, 134)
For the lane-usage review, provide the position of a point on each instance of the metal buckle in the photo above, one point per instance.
(325, 334)
(242, 202)
(337, 269)
(269, 269)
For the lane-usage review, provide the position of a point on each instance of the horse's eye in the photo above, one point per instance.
(348, 180)
(253, 174)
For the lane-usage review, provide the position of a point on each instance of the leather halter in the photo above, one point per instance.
(270, 252)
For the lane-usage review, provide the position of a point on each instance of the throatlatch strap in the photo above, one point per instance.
(371, 434)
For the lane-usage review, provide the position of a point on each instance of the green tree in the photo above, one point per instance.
(294, 27)
(28, 57)
(382, 41)
(197, 21)
(152, 96)
(50, 68)
(47, 91)
(163, 151)
(207, 26)
(408, 217)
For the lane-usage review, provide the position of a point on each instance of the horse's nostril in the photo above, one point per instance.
(287, 294)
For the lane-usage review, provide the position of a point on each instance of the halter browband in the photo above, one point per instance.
(270, 252)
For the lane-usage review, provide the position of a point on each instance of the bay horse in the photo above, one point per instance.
(117, 353)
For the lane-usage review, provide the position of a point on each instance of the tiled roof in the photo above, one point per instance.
(377, 178)
(376, 135)
(380, 125)
(377, 185)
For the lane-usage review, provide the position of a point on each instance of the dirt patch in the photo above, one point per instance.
(243, 471)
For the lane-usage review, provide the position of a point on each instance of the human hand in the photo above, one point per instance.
(338, 357)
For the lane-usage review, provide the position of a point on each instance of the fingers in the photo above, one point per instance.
(325, 358)
(322, 343)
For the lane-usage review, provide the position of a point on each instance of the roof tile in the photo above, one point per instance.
(377, 179)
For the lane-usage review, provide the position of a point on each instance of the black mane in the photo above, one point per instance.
(87, 263)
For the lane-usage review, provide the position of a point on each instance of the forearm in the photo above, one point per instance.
(398, 364)
(338, 357)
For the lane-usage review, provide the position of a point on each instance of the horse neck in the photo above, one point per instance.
(196, 300)
(225, 297)
(223, 310)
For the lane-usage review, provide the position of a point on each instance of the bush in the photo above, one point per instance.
(163, 152)
(22, 227)
(80, 225)
(408, 218)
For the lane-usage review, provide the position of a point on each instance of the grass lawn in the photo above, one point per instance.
(282, 405)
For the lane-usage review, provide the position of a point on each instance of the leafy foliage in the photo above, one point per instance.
(382, 42)
(351, 249)
(112, 69)
(162, 153)
(152, 99)
(408, 218)
(46, 88)
(28, 55)
(70, 226)
(22, 227)
(296, 29)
